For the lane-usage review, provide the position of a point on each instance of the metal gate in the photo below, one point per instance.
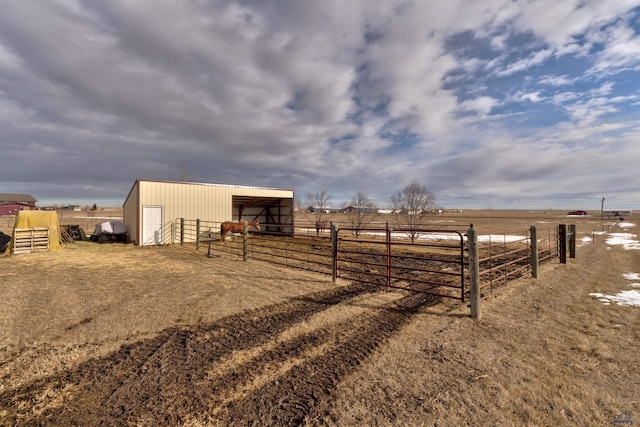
(433, 263)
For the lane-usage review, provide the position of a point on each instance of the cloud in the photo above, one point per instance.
(531, 97)
(563, 80)
(558, 24)
(622, 48)
(346, 96)
(482, 105)
(535, 59)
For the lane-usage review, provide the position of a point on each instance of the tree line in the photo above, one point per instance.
(411, 208)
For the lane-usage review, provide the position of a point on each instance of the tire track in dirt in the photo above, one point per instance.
(283, 383)
(142, 377)
(174, 377)
(304, 394)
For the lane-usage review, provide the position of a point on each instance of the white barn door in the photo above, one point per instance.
(152, 225)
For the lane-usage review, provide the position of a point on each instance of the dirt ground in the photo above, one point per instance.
(121, 335)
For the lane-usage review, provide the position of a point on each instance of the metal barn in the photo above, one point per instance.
(152, 208)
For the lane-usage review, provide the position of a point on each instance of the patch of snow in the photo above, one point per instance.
(623, 298)
(432, 236)
(500, 238)
(626, 224)
(485, 238)
(632, 276)
(631, 297)
(585, 240)
(626, 240)
(421, 235)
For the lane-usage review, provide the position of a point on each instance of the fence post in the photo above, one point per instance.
(209, 244)
(181, 231)
(474, 272)
(197, 233)
(562, 243)
(572, 241)
(245, 240)
(534, 252)
(388, 241)
(173, 232)
(334, 252)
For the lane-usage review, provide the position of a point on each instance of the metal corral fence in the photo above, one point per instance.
(503, 258)
(205, 234)
(194, 231)
(306, 250)
(436, 262)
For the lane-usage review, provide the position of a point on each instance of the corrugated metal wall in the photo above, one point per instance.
(207, 202)
(130, 213)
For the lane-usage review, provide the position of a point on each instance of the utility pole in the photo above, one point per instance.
(602, 209)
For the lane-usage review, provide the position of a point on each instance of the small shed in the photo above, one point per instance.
(153, 207)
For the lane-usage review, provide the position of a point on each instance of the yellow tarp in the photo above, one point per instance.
(35, 219)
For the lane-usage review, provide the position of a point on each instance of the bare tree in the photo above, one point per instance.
(361, 212)
(183, 173)
(412, 207)
(318, 204)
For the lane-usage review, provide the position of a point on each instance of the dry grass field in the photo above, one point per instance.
(121, 335)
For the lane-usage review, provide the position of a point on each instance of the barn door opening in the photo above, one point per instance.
(152, 220)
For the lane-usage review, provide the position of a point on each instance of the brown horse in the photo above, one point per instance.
(236, 227)
(321, 225)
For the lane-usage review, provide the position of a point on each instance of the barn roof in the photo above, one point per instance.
(248, 200)
(18, 198)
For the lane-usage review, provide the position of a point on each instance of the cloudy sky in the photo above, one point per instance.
(488, 103)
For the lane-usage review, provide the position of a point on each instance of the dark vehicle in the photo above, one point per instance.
(110, 231)
(75, 231)
(4, 241)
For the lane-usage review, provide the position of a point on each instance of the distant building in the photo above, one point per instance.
(352, 209)
(617, 213)
(388, 211)
(11, 204)
(315, 209)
